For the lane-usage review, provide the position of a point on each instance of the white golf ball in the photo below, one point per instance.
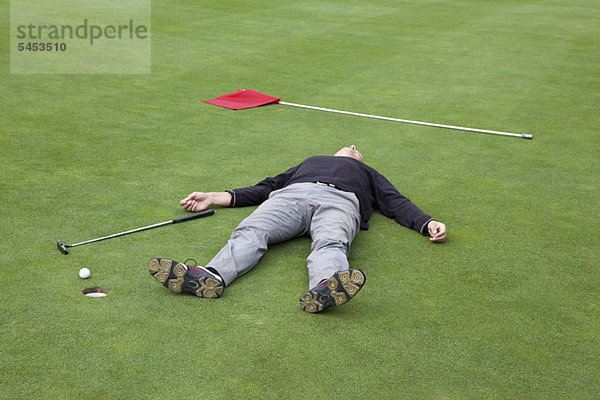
(84, 273)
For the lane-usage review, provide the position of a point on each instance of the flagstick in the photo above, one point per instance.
(459, 128)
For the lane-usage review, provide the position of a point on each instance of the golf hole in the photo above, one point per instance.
(95, 292)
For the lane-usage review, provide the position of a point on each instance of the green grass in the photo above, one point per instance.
(507, 308)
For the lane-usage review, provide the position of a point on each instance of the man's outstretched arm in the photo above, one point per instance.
(198, 201)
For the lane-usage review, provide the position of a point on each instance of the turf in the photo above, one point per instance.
(507, 308)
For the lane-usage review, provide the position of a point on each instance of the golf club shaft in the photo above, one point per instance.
(174, 221)
(408, 121)
(120, 234)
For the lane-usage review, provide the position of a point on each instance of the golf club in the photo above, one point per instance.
(62, 247)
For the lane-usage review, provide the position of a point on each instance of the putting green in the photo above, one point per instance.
(507, 308)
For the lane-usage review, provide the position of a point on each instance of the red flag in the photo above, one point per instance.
(243, 99)
(250, 98)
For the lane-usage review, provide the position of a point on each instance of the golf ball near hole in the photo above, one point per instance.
(84, 273)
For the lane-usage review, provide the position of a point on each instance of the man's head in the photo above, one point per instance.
(350, 152)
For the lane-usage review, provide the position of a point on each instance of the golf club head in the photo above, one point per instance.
(61, 247)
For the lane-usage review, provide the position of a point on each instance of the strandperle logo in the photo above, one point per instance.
(84, 31)
(80, 37)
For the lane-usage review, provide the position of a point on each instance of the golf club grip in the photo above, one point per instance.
(195, 216)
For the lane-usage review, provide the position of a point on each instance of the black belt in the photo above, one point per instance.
(327, 184)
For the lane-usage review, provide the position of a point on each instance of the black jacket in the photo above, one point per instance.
(371, 188)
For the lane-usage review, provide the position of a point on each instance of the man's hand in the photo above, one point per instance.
(437, 231)
(199, 201)
(196, 201)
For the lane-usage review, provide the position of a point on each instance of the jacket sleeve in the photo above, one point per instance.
(254, 195)
(394, 205)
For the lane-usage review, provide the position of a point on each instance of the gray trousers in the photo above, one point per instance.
(329, 215)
